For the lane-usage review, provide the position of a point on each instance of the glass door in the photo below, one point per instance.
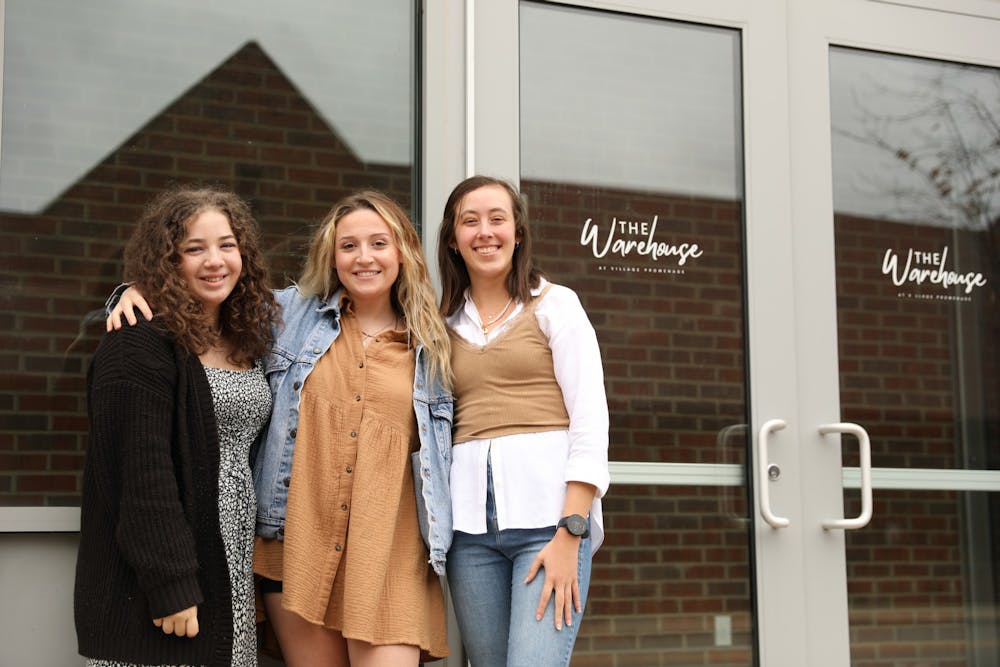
(914, 126)
(628, 134)
(634, 185)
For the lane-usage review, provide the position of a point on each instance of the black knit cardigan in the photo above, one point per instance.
(150, 542)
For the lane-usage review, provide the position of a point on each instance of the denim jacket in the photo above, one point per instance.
(310, 325)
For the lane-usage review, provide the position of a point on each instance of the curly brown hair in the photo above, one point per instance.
(152, 262)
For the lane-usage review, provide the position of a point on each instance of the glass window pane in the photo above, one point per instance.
(916, 162)
(922, 580)
(671, 585)
(916, 165)
(633, 178)
(631, 167)
(105, 103)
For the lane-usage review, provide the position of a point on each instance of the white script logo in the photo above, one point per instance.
(916, 272)
(626, 246)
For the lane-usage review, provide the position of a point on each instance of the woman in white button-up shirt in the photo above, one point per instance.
(526, 506)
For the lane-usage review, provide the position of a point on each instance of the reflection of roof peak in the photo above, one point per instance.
(227, 127)
(81, 81)
(241, 90)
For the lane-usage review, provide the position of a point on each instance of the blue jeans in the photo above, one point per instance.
(496, 609)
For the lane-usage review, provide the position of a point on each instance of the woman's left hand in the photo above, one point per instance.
(559, 558)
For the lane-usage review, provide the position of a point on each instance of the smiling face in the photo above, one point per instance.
(365, 256)
(485, 232)
(210, 259)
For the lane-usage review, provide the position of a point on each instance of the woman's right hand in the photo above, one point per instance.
(130, 299)
(182, 623)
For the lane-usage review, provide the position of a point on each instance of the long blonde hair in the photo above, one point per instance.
(412, 294)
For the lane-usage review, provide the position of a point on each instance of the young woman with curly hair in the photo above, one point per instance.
(164, 570)
(353, 471)
(245, 317)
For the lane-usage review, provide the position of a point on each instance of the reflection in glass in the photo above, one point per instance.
(672, 583)
(922, 580)
(918, 256)
(630, 150)
(916, 164)
(105, 103)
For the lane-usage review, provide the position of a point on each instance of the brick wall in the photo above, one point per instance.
(896, 352)
(672, 344)
(245, 126)
(908, 361)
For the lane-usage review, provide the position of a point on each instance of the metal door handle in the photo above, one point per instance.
(765, 472)
(864, 443)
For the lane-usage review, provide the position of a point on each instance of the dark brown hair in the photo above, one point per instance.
(523, 277)
(152, 263)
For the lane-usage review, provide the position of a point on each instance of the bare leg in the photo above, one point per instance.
(302, 643)
(364, 654)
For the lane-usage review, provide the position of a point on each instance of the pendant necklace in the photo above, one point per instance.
(491, 319)
(372, 335)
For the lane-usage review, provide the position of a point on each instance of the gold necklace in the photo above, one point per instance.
(491, 319)
(372, 335)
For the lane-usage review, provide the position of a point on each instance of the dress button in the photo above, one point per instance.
(343, 506)
(354, 434)
(293, 432)
(296, 385)
(358, 397)
(337, 548)
(361, 365)
(287, 481)
(350, 470)
(316, 350)
(281, 531)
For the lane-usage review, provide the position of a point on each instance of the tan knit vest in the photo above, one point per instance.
(507, 386)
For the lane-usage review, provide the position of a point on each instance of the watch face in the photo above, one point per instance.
(576, 524)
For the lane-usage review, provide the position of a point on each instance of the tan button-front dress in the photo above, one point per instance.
(352, 558)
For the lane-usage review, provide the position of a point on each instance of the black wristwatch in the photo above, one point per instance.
(575, 524)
